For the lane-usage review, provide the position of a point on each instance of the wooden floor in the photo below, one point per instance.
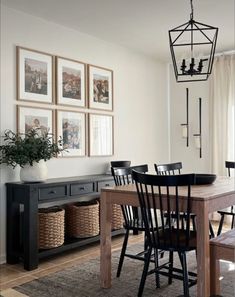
(13, 275)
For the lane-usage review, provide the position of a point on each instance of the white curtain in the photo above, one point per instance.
(222, 102)
(222, 106)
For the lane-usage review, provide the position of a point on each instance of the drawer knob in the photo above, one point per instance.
(81, 188)
(106, 185)
(52, 192)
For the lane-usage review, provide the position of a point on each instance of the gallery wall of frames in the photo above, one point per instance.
(66, 89)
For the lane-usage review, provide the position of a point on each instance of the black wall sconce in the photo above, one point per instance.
(198, 136)
(185, 127)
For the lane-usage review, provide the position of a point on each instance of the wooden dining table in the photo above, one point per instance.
(205, 199)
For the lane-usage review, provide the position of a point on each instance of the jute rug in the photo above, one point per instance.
(83, 281)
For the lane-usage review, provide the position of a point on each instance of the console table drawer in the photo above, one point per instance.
(52, 192)
(103, 184)
(80, 189)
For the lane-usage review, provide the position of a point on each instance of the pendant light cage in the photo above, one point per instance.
(192, 47)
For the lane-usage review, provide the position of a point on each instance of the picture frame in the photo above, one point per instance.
(71, 127)
(100, 88)
(101, 135)
(35, 75)
(71, 82)
(38, 118)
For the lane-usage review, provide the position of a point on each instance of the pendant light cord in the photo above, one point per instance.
(191, 15)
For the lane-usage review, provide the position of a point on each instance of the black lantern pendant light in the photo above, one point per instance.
(192, 48)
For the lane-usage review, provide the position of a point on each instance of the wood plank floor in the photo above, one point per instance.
(13, 275)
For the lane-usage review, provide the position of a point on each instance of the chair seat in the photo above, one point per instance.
(176, 245)
(182, 215)
(134, 225)
(227, 212)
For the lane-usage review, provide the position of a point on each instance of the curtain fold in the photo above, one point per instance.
(222, 104)
(222, 97)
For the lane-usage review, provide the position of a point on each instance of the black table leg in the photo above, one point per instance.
(30, 238)
(13, 228)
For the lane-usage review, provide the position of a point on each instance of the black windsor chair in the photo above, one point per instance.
(172, 169)
(156, 199)
(231, 212)
(132, 219)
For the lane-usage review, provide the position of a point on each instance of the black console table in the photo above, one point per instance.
(23, 201)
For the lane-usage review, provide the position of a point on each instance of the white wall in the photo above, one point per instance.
(177, 103)
(140, 92)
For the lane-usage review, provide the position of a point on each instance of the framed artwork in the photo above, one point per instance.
(100, 88)
(70, 82)
(100, 135)
(71, 127)
(41, 119)
(34, 76)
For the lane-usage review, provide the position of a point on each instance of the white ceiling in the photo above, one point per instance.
(137, 24)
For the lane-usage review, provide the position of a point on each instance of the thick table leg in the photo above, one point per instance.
(214, 272)
(203, 251)
(105, 240)
(30, 233)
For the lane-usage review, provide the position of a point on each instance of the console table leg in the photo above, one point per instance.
(30, 231)
(13, 230)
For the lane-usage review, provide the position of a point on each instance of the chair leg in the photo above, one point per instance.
(170, 267)
(220, 224)
(182, 223)
(185, 274)
(123, 251)
(144, 273)
(232, 225)
(212, 233)
(156, 259)
(161, 255)
(194, 223)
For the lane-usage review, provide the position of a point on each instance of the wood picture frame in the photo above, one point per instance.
(35, 75)
(101, 135)
(71, 127)
(70, 82)
(100, 88)
(30, 117)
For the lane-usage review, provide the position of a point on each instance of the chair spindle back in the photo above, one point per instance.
(123, 176)
(159, 200)
(168, 169)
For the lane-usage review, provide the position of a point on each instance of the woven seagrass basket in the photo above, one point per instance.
(117, 217)
(82, 219)
(50, 227)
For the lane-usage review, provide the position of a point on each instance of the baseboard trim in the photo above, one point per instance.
(2, 259)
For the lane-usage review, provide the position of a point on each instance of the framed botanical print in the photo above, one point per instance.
(29, 118)
(100, 88)
(71, 83)
(100, 135)
(71, 127)
(34, 76)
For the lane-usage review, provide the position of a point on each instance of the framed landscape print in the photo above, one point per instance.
(100, 135)
(70, 82)
(35, 118)
(100, 88)
(34, 76)
(71, 127)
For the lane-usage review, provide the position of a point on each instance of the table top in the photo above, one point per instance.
(222, 186)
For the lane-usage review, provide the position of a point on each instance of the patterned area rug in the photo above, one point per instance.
(83, 281)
